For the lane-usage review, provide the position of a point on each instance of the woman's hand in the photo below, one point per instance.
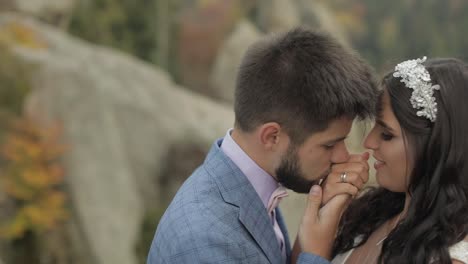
(319, 224)
(357, 175)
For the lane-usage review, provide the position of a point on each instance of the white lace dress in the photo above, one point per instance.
(458, 251)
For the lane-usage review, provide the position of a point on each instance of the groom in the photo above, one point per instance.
(297, 95)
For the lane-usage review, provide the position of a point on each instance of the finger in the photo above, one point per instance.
(332, 211)
(314, 201)
(350, 167)
(351, 177)
(335, 189)
(357, 179)
(364, 176)
(357, 160)
(346, 188)
(363, 157)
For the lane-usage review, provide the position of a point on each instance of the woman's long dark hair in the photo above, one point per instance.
(438, 212)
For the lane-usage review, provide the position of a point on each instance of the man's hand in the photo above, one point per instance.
(357, 175)
(319, 225)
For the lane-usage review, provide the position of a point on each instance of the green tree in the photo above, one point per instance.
(139, 27)
(403, 29)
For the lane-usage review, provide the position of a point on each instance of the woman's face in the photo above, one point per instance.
(388, 144)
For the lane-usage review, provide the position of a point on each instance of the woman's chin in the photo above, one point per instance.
(384, 182)
(378, 179)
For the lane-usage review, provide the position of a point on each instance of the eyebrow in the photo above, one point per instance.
(333, 141)
(384, 125)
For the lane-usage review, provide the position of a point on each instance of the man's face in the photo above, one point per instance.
(303, 166)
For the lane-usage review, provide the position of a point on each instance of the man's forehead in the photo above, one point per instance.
(338, 127)
(337, 130)
(333, 132)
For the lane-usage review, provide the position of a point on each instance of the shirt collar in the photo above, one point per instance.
(263, 183)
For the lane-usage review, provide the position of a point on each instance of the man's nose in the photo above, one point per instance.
(341, 154)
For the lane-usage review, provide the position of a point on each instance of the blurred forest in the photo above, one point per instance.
(180, 38)
(160, 31)
(386, 32)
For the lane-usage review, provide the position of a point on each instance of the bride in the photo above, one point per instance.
(419, 214)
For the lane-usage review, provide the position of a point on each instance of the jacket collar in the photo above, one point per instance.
(236, 189)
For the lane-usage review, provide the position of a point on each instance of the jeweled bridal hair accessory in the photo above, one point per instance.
(416, 77)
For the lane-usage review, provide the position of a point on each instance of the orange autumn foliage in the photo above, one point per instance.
(31, 176)
(21, 34)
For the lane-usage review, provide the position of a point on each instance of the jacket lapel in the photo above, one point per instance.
(237, 190)
(254, 217)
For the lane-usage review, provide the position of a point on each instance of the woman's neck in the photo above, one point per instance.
(402, 215)
(407, 204)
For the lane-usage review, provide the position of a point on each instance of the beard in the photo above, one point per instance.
(290, 175)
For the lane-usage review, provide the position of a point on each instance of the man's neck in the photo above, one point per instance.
(248, 144)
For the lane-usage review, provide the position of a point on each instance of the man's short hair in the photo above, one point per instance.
(302, 80)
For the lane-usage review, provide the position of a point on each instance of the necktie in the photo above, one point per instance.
(274, 201)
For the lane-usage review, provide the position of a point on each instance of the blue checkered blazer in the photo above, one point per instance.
(217, 217)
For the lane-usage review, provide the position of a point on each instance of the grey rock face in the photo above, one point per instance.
(223, 77)
(122, 119)
(56, 12)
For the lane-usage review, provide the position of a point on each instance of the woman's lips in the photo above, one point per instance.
(378, 163)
